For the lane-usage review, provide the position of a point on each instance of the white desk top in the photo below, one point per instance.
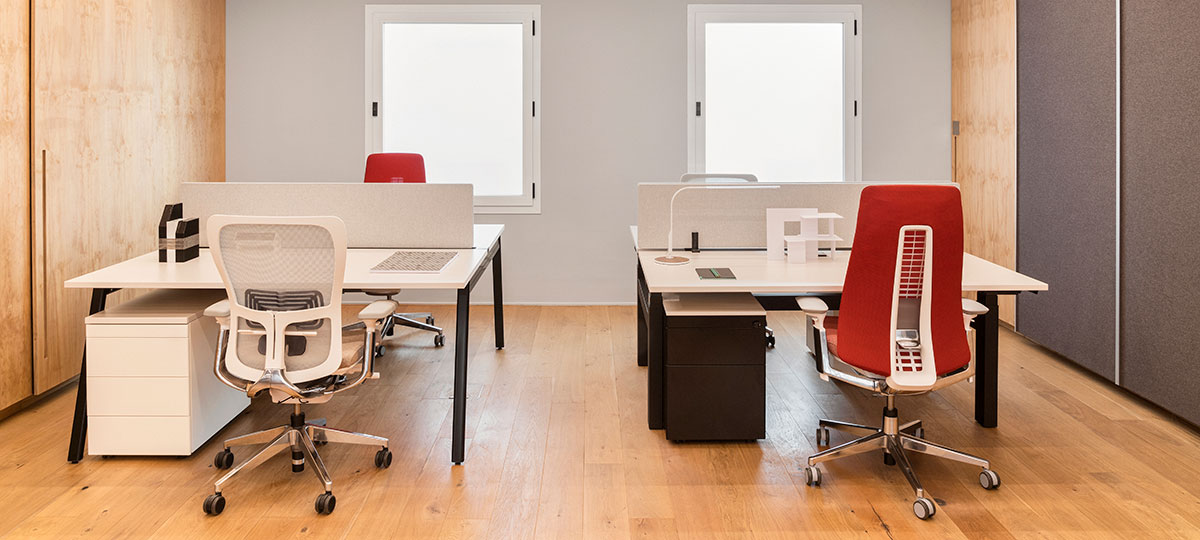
(756, 274)
(145, 272)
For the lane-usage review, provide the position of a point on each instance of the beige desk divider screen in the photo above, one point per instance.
(376, 215)
(730, 219)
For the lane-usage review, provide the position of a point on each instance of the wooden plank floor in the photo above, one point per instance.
(558, 447)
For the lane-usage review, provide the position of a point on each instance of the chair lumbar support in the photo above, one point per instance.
(895, 439)
(302, 438)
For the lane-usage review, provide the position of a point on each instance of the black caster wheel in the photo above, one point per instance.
(919, 433)
(379, 350)
(924, 508)
(770, 342)
(320, 442)
(214, 504)
(812, 476)
(888, 459)
(391, 331)
(439, 340)
(989, 479)
(223, 459)
(429, 320)
(383, 458)
(325, 503)
(822, 436)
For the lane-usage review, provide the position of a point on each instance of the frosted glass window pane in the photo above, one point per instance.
(453, 93)
(775, 101)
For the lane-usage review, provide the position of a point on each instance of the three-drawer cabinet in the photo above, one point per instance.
(150, 383)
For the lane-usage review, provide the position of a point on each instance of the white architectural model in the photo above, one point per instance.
(803, 247)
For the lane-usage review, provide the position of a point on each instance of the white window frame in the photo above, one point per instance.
(529, 202)
(848, 14)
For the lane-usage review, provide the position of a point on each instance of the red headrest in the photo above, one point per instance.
(395, 168)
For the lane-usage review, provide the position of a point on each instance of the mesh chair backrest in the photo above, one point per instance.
(905, 265)
(284, 279)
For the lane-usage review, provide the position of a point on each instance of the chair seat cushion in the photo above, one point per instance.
(353, 343)
(831, 335)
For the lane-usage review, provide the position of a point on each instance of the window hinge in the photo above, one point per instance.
(856, 27)
(535, 27)
(697, 108)
(533, 109)
(374, 108)
(856, 107)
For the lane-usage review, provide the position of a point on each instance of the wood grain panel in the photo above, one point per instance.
(16, 371)
(128, 103)
(984, 102)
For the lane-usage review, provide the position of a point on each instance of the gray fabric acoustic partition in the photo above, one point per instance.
(1066, 177)
(1160, 202)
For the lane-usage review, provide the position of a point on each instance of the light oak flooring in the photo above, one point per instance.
(558, 447)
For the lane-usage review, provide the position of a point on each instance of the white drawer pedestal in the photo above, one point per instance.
(151, 388)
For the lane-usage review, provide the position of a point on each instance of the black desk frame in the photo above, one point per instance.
(650, 351)
(462, 324)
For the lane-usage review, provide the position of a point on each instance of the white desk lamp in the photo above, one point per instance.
(672, 259)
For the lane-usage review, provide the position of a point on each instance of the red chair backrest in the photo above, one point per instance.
(864, 323)
(394, 168)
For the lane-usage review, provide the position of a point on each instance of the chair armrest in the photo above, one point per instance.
(378, 310)
(813, 307)
(973, 308)
(219, 309)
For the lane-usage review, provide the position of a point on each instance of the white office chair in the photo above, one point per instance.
(716, 178)
(282, 333)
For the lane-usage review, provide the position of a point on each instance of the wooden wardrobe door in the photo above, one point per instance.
(16, 371)
(128, 101)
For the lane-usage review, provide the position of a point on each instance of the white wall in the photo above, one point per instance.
(614, 76)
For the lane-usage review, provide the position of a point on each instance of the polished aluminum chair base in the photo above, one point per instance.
(410, 320)
(302, 438)
(895, 440)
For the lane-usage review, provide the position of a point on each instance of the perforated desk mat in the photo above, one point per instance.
(425, 262)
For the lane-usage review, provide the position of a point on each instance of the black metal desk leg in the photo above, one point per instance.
(641, 316)
(654, 357)
(498, 296)
(987, 369)
(641, 332)
(462, 323)
(79, 426)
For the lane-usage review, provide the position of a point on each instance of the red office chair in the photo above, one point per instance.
(901, 329)
(395, 168)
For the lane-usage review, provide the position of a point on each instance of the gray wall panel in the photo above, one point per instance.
(1160, 202)
(1066, 210)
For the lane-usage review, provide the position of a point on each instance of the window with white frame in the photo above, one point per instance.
(774, 91)
(458, 84)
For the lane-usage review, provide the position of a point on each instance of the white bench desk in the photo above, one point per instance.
(757, 275)
(145, 272)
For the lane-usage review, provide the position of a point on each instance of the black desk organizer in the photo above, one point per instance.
(186, 244)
